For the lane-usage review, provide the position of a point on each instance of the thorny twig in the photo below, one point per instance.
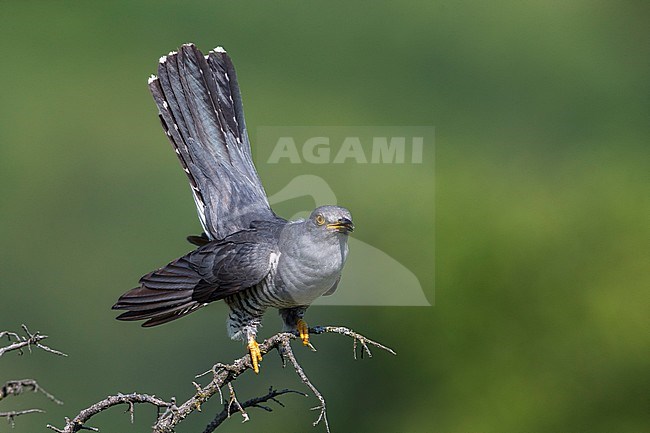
(224, 375)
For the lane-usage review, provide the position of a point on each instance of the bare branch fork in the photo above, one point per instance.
(16, 387)
(28, 341)
(233, 406)
(224, 375)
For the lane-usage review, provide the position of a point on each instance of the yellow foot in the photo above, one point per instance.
(256, 355)
(303, 330)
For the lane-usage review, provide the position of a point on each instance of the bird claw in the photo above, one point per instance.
(303, 331)
(255, 353)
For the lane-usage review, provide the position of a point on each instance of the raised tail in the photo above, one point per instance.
(200, 108)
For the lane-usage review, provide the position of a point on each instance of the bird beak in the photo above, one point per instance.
(343, 225)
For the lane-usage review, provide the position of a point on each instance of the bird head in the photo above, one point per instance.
(334, 219)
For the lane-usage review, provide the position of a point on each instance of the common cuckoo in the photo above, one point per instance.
(247, 255)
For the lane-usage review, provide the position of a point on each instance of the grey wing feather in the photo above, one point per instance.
(237, 266)
(209, 273)
(201, 111)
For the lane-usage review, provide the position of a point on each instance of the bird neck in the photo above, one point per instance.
(314, 246)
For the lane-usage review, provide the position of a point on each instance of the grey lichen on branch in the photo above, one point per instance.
(78, 422)
(224, 375)
(17, 343)
(17, 387)
(28, 340)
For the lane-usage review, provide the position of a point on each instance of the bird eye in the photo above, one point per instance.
(320, 220)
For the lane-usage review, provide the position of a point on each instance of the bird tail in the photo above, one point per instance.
(201, 112)
(163, 295)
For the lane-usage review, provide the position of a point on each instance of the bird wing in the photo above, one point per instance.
(209, 273)
(201, 111)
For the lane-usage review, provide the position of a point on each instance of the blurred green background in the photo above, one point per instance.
(541, 230)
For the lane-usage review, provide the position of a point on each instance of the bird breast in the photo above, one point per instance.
(307, 270)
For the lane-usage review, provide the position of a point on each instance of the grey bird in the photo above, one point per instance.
(247, 255)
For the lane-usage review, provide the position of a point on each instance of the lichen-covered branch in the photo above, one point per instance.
(17, 387)
(365, 341)
(11, 416)
(79, 421)
(18, 343)
(28, 340)
(224, 375)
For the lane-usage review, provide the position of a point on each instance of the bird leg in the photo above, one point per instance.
(303, 331)
(256, 355)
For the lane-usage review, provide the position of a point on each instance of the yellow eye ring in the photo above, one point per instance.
(320, 220)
